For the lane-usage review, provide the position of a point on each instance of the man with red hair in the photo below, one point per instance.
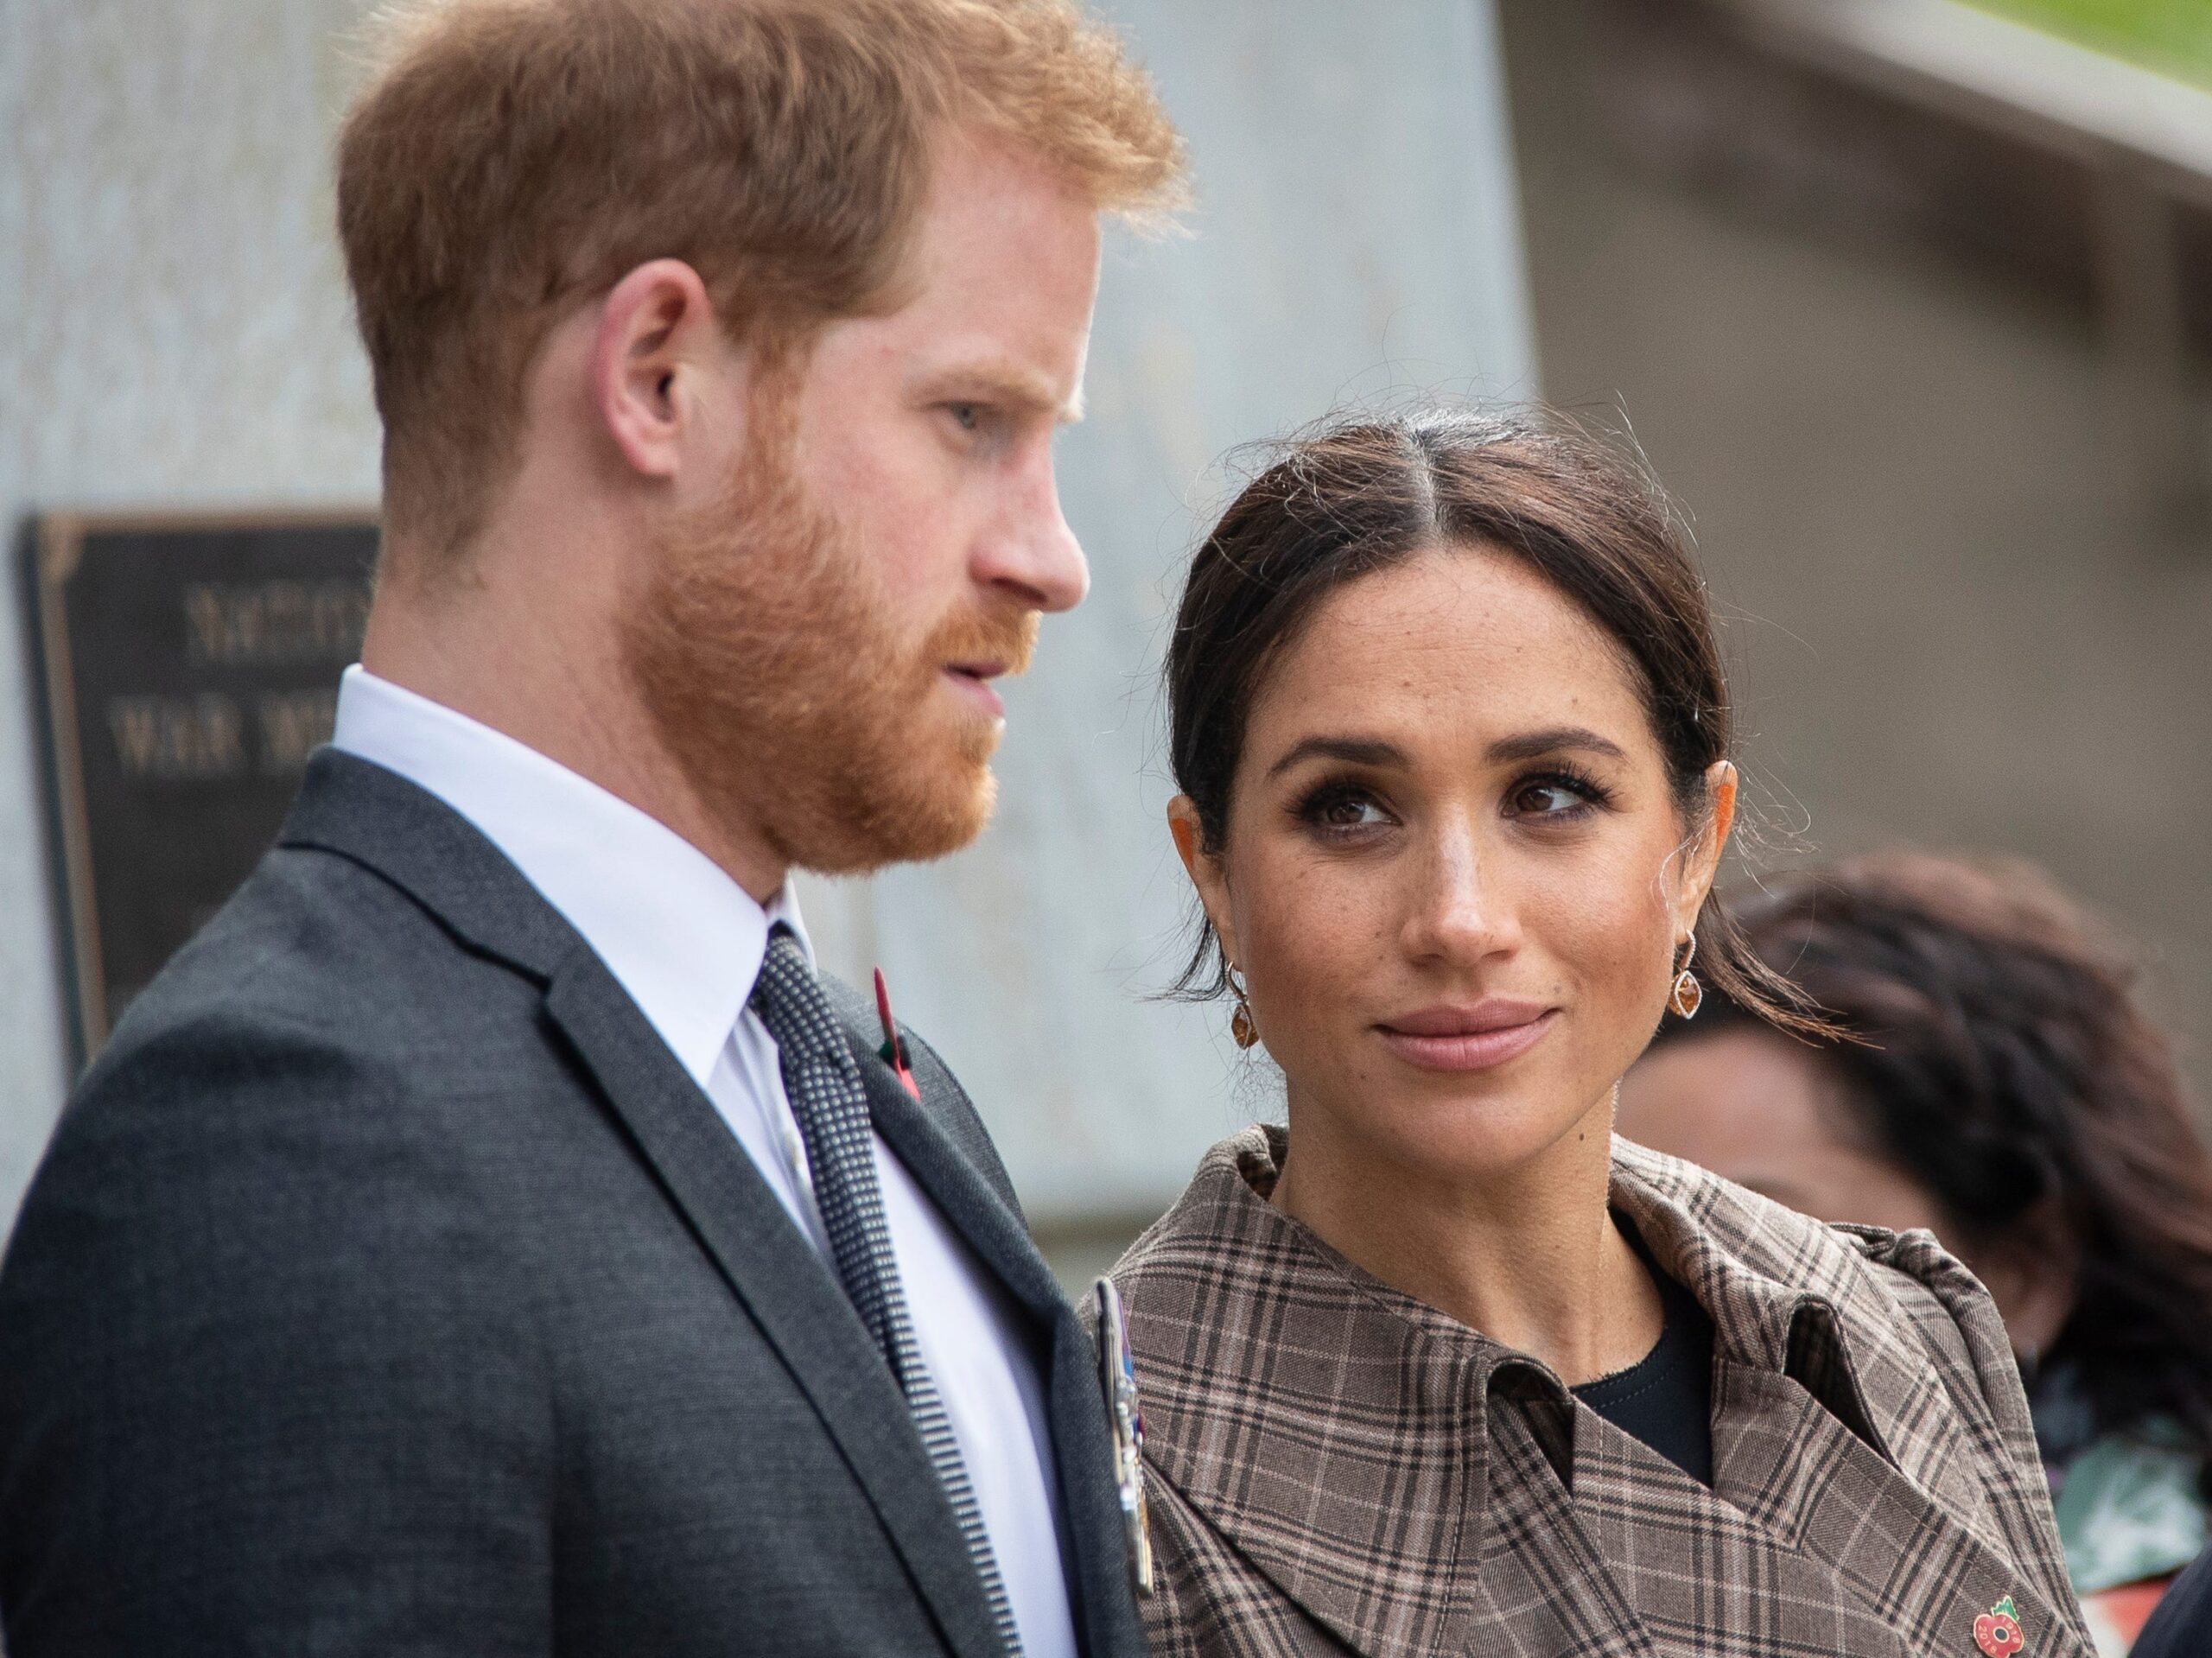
(492, 1235)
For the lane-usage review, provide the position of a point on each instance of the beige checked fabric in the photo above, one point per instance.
(1338, 1468)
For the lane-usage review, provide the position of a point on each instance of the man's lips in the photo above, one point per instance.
(1468, 1036)
(973, 681)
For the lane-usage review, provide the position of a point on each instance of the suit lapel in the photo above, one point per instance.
(361, 812)
(922, 1134)
(958, 1189)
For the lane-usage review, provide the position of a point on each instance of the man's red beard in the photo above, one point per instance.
(773, 663)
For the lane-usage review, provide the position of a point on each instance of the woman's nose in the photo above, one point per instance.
(1457, 910)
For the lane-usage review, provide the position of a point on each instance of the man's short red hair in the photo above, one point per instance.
(510, 158)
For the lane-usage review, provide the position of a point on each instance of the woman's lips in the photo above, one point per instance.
(1480, 1038)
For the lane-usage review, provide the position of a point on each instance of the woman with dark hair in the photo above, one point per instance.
(1439, 1366)
(2000, 1085)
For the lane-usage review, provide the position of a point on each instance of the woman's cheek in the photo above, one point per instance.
(1314, 934)
(1608, 927)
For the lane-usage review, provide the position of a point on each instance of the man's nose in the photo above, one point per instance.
(1031, 552)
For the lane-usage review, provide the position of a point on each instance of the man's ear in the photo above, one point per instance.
(658, 348)
(1206, 870)
(1701, 858)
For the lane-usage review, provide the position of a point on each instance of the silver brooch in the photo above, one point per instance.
(1118, 1375)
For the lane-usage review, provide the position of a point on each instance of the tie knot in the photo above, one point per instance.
(788, 997)
(783, 950)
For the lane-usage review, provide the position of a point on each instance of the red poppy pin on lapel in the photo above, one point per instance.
(893, 1051)
(1996, 1632)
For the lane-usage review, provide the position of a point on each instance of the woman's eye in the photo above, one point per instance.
(1349, 814)
(1549, 797)
(1341, 810)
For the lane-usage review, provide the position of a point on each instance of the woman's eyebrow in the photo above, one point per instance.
(1533, 745)
(1356, 751)
(1374, 751)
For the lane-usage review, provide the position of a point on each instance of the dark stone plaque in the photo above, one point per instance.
(191, 665)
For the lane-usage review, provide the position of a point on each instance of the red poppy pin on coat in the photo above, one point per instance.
(893, 1051)
(1996, 1632)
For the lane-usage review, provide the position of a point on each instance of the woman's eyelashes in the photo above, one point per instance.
(1339, 809)
(1348, 811)
(1558, 793)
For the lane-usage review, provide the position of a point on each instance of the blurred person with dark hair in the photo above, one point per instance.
(2000, 1085)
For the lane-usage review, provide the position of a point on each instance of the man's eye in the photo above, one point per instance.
(968, 417)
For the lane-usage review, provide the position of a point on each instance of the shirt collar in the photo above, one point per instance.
(682, 938)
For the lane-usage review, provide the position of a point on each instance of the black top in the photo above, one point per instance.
(1666, 1398)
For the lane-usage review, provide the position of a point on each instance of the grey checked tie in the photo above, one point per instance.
(823, 1082)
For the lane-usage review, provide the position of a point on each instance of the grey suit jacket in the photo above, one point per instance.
(389, 1289)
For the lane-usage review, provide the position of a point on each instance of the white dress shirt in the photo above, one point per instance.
(686, 942)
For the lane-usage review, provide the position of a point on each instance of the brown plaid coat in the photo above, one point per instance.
(1335, 1466)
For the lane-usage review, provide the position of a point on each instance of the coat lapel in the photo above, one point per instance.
(1836, 1428)
(1337, 1434)
(1331, 1429)
(1817, 1492)
(361, 811)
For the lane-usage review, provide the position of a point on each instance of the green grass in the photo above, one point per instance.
(2172, 36)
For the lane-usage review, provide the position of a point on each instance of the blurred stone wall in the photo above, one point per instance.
(1860, 350)
(176, 334)
(174, 330)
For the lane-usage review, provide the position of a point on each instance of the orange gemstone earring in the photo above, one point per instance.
(1240, 1022)
(1687, 995)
